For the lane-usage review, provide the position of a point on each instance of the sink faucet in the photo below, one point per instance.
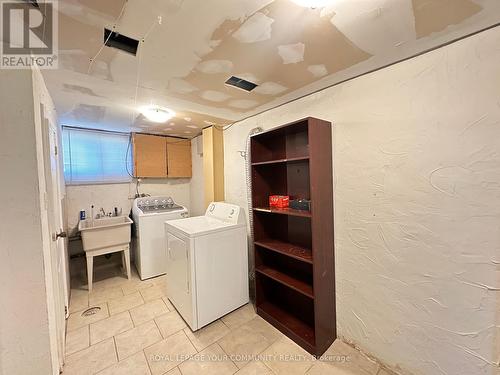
(101, 213)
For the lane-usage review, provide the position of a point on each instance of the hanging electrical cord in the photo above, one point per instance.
(251, 249)
(127, 154)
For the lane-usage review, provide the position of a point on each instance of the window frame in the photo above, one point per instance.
(128, 157)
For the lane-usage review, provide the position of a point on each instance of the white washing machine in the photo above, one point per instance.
(207, 264)
(150, 214)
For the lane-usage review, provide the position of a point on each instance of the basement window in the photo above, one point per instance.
(96, 157)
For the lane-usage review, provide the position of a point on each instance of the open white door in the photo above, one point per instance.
(58, 254)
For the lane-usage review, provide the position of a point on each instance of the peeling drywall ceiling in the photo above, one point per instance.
(276, 56)
(189, 48)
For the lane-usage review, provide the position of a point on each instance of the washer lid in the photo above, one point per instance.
(199, 225)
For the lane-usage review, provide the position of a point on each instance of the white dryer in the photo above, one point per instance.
(149, 215)
(207, 264)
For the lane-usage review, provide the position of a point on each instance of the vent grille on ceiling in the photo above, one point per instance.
(121, 42)
(241, 83)
(33, 2)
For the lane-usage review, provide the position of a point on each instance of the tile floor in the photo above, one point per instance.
(136, 331)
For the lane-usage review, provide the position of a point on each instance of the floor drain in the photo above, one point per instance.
(91, 311)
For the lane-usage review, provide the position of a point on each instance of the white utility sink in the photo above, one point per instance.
(105, 236)
(105, 232)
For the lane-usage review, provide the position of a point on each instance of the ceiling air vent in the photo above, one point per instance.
(33, 2)
(241, 83)
(121, 42)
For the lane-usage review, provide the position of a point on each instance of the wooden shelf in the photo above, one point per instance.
(283, 211)
(294, 290)
(278, 161)
(284, 279)
(293, 251)
(288, 324)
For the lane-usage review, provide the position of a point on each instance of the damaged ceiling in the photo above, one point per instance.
(189, 48)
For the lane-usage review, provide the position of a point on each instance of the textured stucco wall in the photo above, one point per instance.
(417, 206)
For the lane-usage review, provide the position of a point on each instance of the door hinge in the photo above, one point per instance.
(55, 150)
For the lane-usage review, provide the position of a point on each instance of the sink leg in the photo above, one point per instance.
(90, 269)
(126, 252)
(124, 262)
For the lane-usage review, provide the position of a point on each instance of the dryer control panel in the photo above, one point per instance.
(227, 212)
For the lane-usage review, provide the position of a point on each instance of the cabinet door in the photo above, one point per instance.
(150, 156)
(179, 157)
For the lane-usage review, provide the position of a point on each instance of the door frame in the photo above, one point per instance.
(56, 267)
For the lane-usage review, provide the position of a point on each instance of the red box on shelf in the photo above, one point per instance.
(279, 201)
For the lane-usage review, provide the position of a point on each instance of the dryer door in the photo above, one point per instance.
(179, 276)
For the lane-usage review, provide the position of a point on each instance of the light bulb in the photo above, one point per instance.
(157, 114)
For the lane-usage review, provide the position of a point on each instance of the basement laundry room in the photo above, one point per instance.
(266, 187)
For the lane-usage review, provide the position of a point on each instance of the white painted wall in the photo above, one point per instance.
(417, 206)
(197, 181)
(108, 196)
(26, 322)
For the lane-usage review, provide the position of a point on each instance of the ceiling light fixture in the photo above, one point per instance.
(313, 3)
(157, 114)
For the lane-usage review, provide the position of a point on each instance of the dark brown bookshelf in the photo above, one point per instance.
(294, 249)
(284, 248)
(278, 161)
(283, 211)
(296, 329)
(285, 279)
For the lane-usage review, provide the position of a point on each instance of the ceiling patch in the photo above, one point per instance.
(80, 89)
(317, 70)
(214, 43)
(292, 53)
(432, 16)
(255, 29)
(374, 26)
(215, 66)
(120, 41)
(243, 103)
(180, 86)
(214, 96)
(172, 6)
(90, 113)
(102, 70)
(270, 88)
(328, 11)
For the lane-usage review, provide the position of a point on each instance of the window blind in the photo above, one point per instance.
(92, 156)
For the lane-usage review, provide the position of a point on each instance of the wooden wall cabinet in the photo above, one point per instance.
(294, 249)
(150, 156)
(179, 157)
(160, 157)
